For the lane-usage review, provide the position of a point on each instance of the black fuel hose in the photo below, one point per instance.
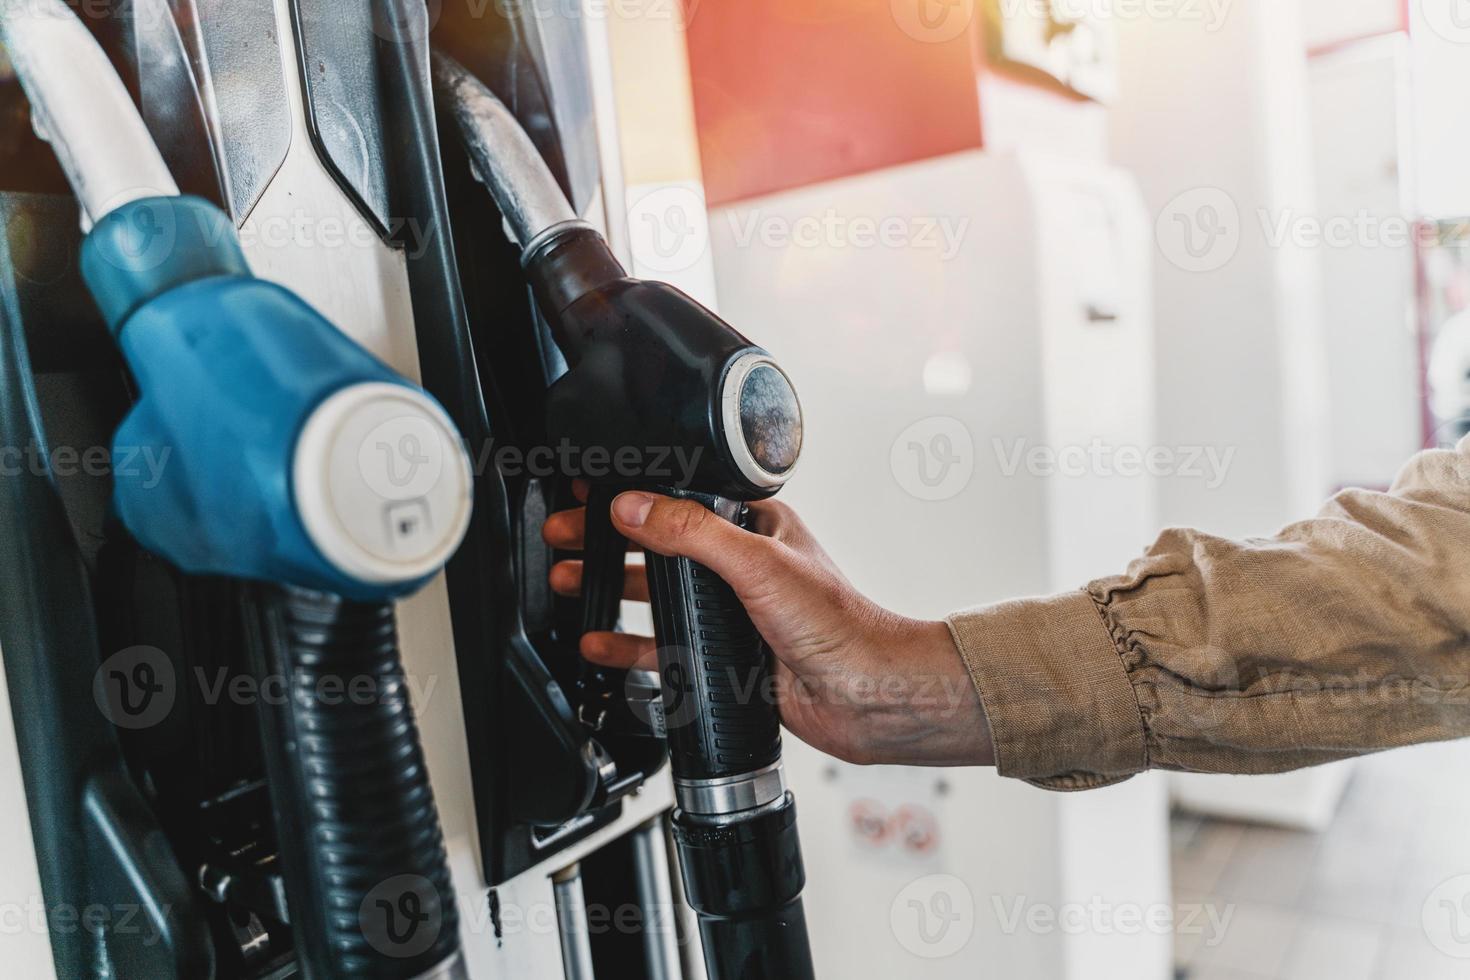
(366, 874)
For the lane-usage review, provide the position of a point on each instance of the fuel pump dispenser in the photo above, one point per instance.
(647, 366)
(323, 418)
(273, 421)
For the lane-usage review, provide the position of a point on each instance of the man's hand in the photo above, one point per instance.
(853, 679)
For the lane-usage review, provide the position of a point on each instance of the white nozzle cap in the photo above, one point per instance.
(382, 483)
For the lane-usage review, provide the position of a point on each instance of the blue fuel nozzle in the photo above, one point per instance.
(278, 448)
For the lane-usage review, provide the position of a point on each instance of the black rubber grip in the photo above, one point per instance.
(719, 709)
(367, 881)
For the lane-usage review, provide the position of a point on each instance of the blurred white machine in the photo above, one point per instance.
(979, 436)
(1449, 380)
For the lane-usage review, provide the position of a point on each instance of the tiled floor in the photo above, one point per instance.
(1377, 897)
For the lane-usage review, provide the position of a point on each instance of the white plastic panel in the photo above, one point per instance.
(22, 903)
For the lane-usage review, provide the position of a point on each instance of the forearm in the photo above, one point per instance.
(1343, 635)
(921, 707)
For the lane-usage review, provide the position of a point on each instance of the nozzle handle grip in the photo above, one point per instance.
(719, 709)
(605, 554)
(604, 560)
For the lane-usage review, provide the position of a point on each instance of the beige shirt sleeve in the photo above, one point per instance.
(1342, 635)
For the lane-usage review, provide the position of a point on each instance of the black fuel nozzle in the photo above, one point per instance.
(670, 392)
(708, 416)
(662, 395)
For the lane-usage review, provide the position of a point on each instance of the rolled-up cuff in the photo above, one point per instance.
(1062, 711)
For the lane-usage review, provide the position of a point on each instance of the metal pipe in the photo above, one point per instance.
(656, 896)
(504, 158)
(571, 917)
(80, 106)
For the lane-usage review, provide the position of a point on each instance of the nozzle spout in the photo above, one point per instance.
(504, 158)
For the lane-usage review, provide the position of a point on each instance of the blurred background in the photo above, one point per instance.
(1052, 275)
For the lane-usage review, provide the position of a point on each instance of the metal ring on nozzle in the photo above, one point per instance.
(733, 795)
(761, 418)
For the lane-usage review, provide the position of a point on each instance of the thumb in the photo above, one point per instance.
(688, 529)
